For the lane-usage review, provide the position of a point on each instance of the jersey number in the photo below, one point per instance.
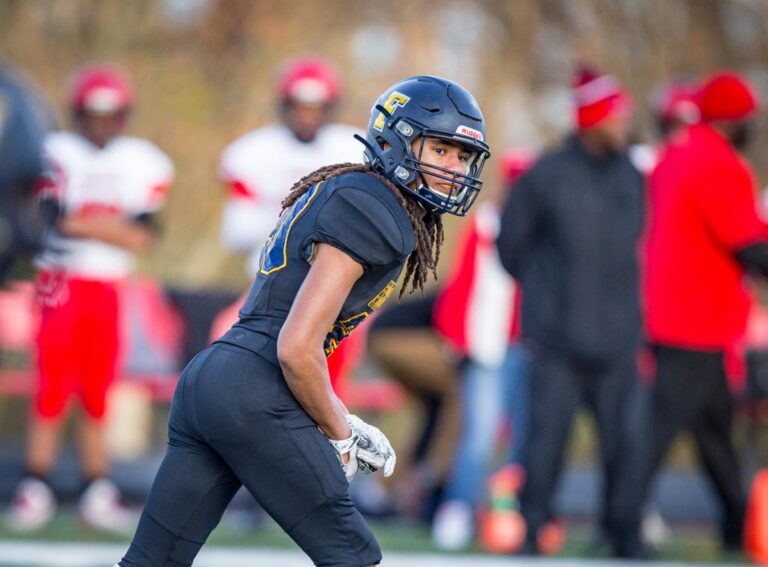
(274, 254)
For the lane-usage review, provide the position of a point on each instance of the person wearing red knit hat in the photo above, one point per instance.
(726, 96)
(675, 105)
(704, 236)
(569, 234)
(598, 98)
(728, 102)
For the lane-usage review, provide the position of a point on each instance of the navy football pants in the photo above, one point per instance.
(234, 422)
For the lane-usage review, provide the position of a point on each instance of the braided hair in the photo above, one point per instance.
(427, 226)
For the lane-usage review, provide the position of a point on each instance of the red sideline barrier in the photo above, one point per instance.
(369, 394)
(150, 323)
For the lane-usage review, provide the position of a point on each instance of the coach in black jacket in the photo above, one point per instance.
(569, 233)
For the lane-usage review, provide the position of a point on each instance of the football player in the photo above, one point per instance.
(256, 408)
(260, 167)
(106, 188)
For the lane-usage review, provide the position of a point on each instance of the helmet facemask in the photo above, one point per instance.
(459, 190)
(401, 150)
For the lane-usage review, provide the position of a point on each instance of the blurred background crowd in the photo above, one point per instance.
(614, 261)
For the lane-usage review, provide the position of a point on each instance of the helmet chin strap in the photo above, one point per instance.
(450, 199)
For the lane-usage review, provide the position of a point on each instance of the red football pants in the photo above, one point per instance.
(78, 348)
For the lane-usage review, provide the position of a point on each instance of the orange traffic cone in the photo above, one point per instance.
(756, 522)
(502, 528)
(551, 537)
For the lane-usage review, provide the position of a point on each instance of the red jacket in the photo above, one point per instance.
(702, 208)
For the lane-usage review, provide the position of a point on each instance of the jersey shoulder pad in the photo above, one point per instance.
(149, 161)
(60, 144)
(362, 217)
(147, 150)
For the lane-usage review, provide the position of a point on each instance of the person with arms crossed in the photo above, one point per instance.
(106, 188)
(256, 408)
(570, 231)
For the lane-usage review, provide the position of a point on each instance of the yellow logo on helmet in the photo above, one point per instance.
(394, 101)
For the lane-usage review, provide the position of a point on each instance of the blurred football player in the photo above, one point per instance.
(260, 167)
(106, 188)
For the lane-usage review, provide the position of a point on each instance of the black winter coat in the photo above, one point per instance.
(570, 234)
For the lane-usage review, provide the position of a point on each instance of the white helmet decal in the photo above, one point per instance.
(470, 133)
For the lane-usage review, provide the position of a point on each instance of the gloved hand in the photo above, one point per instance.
(373, 449)
(348, 445)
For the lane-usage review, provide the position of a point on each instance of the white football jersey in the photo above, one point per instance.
(129, 176)
(260, 169)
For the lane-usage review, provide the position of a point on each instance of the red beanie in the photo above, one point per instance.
(726, 95)
(597, 97)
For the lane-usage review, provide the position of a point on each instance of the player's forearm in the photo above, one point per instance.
(117, 231)
(306, 374)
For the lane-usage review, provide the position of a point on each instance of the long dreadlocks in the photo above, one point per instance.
(427, 226)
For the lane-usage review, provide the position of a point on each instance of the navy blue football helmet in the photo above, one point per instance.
(427, 107)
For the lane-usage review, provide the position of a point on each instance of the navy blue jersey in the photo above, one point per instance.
(355, 213)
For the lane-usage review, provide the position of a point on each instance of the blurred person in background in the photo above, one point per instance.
(402, 342)
(569, 234)
(673, 106)
(705, 235)
(477, 313)
(260, 167)
(106, 188)
(23, 120)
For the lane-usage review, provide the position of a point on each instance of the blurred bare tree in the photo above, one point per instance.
(205, 71)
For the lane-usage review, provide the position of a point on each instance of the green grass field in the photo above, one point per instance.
(263, 543)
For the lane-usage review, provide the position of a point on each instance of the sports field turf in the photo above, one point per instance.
(236, 543)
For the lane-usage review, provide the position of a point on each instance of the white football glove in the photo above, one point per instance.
(348, 445)
(374, 450)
